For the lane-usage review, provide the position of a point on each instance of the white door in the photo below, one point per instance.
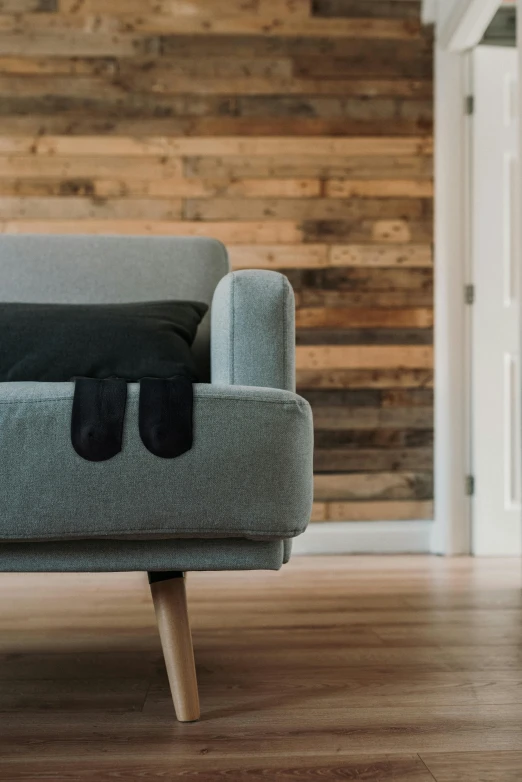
(496, 375)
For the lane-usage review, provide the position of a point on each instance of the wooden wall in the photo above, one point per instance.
(296, 131)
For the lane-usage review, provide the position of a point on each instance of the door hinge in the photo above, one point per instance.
(470, 104)
(469, 294)
(470, 485)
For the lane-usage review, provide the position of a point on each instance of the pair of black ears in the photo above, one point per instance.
(165, 416)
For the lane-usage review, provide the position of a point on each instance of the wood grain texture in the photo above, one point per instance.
(297, 132)
(494, 766)
(154, 23)
(363, 357)
(373, 510)
(343, 460)
(309, 673)
(170, 604)
(210, 147)
(343, 487)
(364, 337)
(365, 378)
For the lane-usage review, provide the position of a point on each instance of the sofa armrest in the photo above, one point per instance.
(253, 330)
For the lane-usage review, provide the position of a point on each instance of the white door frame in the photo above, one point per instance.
(456, 31)
(466, 24)
(495, 348)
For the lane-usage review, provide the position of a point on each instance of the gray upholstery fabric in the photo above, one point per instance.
(253, 330)
(112, 269)
(250, 471)
(118, 555)
(248, 474)
(253, 333)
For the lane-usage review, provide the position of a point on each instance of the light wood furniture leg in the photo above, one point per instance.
(170, 604)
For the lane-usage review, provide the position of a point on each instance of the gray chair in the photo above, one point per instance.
(233, 502)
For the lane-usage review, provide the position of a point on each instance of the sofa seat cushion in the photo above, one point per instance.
(248, 474)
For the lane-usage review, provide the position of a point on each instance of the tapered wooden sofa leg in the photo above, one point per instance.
(170, 603)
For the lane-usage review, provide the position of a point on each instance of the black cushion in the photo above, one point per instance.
(57, 342)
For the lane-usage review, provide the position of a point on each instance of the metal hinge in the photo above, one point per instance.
(469, 104)
(469, 294)
(470, 485)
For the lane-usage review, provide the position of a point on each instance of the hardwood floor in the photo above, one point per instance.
(337, 668)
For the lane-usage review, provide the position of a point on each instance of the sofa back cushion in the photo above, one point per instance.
(114, 269)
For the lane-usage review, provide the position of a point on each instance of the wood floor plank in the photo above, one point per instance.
(398, 669)
(275, 730)
(74, 695)
(475, 766)
(379, 768)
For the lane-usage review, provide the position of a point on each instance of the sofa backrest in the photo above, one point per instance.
(112, 269)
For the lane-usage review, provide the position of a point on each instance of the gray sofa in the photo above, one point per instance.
(233, 502)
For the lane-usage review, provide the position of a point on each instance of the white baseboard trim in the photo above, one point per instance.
(365, 537)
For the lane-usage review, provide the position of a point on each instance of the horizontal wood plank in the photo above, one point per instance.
(340, 9)
(372, 460)
(295, 209)
(151, 168)
(205, 116)
(157, 188)
(360, 317)
(180, 147)
(372, 398)
(414, 298)
(80, 208)
(365, 378)
(386, 439)
(18, 41)
(338, 417)
(364, 336)
(279, 256)
(373, 486)
(311, 256)
(493, 766)
(407, 188)
(367, 357)
(364, 278)
(379, 231)
(163, 84)
(188, 8)
(373, 510)
(409, 255)
(28, 6)
(251, 24)
(227, 232)
(400, 397)
(376, 64)
(296, 46)
(292, 165)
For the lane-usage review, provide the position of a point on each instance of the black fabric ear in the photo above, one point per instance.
(165, 415)
(97, 417)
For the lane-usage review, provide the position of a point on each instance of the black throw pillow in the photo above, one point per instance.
(57, 342)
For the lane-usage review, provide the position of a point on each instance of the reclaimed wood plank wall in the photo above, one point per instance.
(299, 132)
